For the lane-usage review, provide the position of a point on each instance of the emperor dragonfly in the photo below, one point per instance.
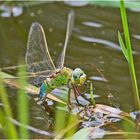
(39, 62)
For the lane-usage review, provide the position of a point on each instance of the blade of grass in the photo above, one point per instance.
(130, 57)
(59, 120)
(23, 103)
(3, 123)
(91, 95)
(10, 128)
(70, 128)
(124, 50)
(73, 119)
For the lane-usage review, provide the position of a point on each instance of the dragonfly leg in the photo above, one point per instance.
(88, 90)
(69, 99)
(87, 101)
(75, 94)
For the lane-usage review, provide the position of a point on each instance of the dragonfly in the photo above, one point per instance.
(40, 63)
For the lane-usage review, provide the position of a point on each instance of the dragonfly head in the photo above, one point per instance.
(78, 77)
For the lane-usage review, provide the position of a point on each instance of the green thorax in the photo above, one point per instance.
(58, 79)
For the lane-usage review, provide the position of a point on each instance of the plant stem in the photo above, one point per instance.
(23, 103)
(91, 95)
(130, 57)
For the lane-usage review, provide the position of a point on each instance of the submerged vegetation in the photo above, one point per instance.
(92, 120)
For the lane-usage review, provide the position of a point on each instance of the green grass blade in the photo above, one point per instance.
(125, 27)
(23, 103)
(10, 130)
(130, 57)
(59, 120)
(3, 123)
(91, 95)
(70, 129)
(73, 119)
(124, 50)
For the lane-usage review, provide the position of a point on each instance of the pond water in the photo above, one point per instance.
(93, 47)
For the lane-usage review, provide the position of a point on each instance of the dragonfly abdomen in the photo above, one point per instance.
(43, 89)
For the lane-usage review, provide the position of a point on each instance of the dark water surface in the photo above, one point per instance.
(93, 47)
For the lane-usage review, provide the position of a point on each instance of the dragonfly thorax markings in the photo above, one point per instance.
(56, 80)
(64, 71)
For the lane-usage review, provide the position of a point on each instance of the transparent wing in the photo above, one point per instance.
(70, 23)
(37, 55)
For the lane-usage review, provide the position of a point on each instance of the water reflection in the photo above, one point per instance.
(107, 43)
(9, 11)
(98, 78)
(92, 24)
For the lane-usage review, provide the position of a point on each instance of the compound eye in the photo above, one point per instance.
(75, 77)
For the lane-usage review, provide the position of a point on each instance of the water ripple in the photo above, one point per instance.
(76, 3)
(8, 11)
(136, 36)
(92, 24)
(107, 43)
(98, 78)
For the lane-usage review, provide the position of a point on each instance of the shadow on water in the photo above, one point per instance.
(93, 47)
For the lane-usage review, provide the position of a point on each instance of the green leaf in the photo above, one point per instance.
(10, 131)
(129, 53)
(22, 103)
(124, 50)
(89, 133)
(91, 95)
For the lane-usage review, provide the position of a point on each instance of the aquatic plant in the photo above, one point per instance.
(22, 103)
(6, 116)
(65, 124)
(91, 95)
(127, 51)
(8, 127)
